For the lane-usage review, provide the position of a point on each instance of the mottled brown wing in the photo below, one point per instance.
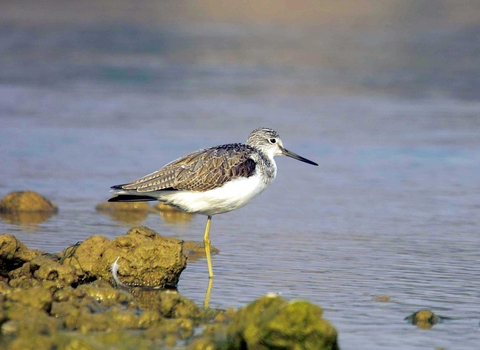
(202, 170)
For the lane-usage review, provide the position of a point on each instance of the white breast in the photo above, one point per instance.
(232, 195)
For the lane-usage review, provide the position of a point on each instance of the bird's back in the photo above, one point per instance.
(200, 171)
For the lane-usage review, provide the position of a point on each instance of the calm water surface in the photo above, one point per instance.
(392, 209)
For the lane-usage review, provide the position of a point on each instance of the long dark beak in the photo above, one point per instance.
(297, 157)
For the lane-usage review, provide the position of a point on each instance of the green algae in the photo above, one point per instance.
(424, 319)
(273, 323)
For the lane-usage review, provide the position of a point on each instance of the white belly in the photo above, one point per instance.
(233, 195)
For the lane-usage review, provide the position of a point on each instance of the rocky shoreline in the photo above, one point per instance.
(70, 300)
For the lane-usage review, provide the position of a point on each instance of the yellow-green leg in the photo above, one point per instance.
(206, 242)
(206, 302)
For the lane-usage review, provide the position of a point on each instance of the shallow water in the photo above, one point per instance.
(391, 210)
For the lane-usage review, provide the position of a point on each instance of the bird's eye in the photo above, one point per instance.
(273, 140)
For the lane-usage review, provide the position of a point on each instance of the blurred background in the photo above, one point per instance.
(384, 95)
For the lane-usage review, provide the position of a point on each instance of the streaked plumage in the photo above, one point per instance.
(213, 180)
(198, 172)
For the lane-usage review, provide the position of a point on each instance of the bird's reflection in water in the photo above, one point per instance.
(137, 212)
(126, 212)
(128, 217)
(172, 215)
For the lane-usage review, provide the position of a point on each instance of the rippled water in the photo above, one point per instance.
(391, 116)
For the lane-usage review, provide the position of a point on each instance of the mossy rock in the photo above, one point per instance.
(104, 293)
(47, 269)
(37, 298)
(273, 323)
(26, 322)
(32, 342)
(144, 258)
(13, 254)
(26, 201)
(424, 319)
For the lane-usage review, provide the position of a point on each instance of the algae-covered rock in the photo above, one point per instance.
(117, 340)
(50, 302)
(114, 340)
(150, 318)
(66, 294)
(24, 321)
(13, 254)
(37, 298)
(214, 337)
(32, 342)
(110, 320)
(206, 343)
(25, 268)
(46, 268)
(4, 289)
(171, 330)
(273, 323)
(106, 294)
(424, 319)
(24, 282)
(24, 271)
(26, 201)
(224, 316)
(169, 303)
(96, 307)
(144, 258)
(175, 305)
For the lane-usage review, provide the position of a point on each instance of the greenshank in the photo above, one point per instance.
(213, 180)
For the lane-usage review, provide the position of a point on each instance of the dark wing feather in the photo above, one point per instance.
(202, 170)
(131, 198)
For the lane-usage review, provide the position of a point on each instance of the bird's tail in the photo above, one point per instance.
(131, 198)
